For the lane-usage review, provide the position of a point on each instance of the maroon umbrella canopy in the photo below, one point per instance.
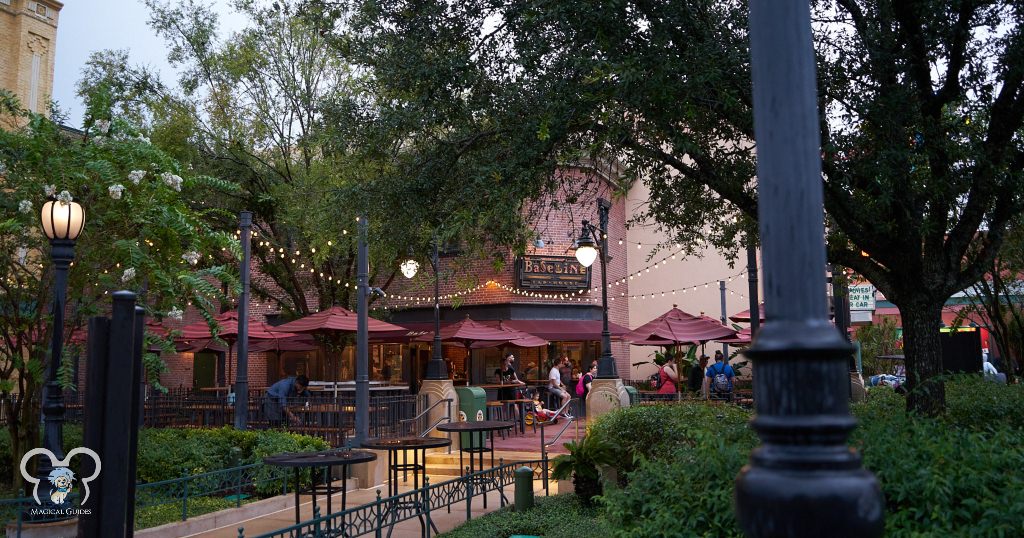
(744, 317)
(520, 339)
(742, 338)
(678, 327)
(296, 343)
(338, 319)
(228, 323)
(468, 332)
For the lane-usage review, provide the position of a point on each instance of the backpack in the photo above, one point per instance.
(581, 387)
(656, 379)
(720, 382)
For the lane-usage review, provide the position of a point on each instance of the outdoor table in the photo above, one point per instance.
(524, 405)
(474, 429)
(418, 446)
(328, 458)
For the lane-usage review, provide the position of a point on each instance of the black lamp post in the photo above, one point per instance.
(61, 221)
(803, 480)
(436, 368)
(587, 251)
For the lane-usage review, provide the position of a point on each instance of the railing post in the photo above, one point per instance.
(469, 494)
(241, 532)
(501, 483)
(426, 505)
(544, 462)
(524, 489)
(238, 488)
(184, 499)
(21, 510)
(380, 522)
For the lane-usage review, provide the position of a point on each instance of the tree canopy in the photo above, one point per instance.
(921, 108)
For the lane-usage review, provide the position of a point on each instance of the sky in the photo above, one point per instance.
(90, 25)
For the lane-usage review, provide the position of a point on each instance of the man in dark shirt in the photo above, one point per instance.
(279, 395)
(696, 379)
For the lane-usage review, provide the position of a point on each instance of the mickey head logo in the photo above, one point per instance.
(61, 480)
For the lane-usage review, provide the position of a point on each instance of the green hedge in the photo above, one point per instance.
(558, 516)
(172, 452)
(958, 475)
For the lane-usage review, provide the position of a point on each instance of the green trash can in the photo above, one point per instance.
(472, 408)
(634, 395)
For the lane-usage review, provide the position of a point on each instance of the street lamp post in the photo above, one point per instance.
(242, 374)
(586, 252)
(436, 368)
(803, 480)
(61, 221)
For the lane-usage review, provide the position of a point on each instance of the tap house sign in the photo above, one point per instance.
(551, 273)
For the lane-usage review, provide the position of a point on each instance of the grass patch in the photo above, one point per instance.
(558, 516)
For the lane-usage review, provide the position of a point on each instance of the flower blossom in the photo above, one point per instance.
(99, 140)
(64, 197)
(25, 206)
(49, 190)
(135, 176)
(129, 274)
(172, 180)
(175, 314)
(192, 257)
(115, 190)
(102, 125)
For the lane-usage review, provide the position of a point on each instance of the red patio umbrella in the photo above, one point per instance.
(744, 317)
(337, 320)
(518, 339)
(228, 324)
(468, 332)
(677, 327)
(741, 338)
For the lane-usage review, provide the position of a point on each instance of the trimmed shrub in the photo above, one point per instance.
(958, 475)
(558, 516)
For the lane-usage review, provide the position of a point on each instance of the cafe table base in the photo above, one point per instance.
(328, 459)
(418, 446)
(479, 432)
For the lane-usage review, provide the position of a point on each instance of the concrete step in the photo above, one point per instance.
(507, 456)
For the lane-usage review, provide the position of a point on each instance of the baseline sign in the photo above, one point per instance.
(551, 273)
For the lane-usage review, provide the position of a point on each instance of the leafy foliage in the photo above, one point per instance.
(585, 463)
(955, 476)
(558, 516)
(878, 339)
(917, 159)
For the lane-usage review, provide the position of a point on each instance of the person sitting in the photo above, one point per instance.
(990, 372)
(718, 379)
(279, 395)
(539, 412)
(556, 383)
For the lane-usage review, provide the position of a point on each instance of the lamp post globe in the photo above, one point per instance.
(409, 268)
(586, 251)
(62, 221)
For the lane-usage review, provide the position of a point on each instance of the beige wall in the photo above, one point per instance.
(674, 274)
(28, 33)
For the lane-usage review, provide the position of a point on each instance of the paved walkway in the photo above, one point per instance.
(407, 529)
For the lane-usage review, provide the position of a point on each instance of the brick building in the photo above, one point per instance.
(28, 36)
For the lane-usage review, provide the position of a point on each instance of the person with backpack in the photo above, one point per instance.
(668, 376)
(719, 379)
(583, 386)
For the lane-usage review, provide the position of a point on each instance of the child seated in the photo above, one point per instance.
(539, 411)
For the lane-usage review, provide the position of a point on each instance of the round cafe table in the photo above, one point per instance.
(327, 458)
(478, 432)
(418, 446)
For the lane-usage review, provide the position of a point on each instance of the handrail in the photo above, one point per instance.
(544, 446)
(429, 409)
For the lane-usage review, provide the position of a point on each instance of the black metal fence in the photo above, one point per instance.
(322, 414)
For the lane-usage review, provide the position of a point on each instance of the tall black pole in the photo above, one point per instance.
(804, 480)
(362, 339)
(606, 368)
(755, 305)
(721, 292)
(242, 379)
(436, 369)
(62, 251)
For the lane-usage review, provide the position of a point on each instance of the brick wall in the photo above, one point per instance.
(28, 33)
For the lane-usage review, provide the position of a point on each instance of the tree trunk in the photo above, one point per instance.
(24, 432)
(923, 351)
